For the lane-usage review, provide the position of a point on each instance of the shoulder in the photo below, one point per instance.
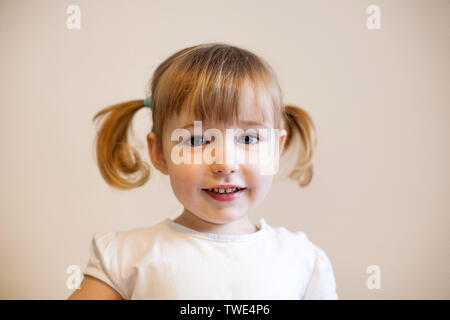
(139, 238)
(321, 282)
(116, 255)
(297, 240)
(312, 256)
(127, 243)
(317, 266)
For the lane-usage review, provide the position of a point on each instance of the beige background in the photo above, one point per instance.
(379, 98)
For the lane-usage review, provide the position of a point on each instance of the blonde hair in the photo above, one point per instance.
(208, 79)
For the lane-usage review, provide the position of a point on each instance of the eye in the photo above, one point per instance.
(248, 138)
(195, 141)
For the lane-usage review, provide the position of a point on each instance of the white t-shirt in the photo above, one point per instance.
(170, 261)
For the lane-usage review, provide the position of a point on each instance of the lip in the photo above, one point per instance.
(224, 196)
(225, 186)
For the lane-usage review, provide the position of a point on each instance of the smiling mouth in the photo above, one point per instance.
(229, 196)
(224, 191)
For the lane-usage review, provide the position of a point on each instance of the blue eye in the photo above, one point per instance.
(195, 141)
(255, 139)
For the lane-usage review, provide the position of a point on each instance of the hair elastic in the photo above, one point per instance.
(148, 101)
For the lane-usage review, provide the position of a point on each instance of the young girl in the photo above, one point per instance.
(212, 250)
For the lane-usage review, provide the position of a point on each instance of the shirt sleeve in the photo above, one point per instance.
(102, 262)
(322, 284)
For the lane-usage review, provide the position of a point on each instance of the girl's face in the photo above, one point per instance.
(189, 179)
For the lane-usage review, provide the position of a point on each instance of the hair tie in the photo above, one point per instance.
(148, 102)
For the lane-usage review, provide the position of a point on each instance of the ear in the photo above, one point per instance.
(283, 135)
(155, 151)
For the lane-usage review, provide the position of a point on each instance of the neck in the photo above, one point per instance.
(240, 226)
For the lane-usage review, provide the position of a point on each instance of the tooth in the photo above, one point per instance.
(227, 190)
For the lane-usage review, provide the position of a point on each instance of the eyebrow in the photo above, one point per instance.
(244, 123)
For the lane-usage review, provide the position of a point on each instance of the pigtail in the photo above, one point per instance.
(114, 155)
(299, 123)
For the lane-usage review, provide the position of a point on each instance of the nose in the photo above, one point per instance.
(225, 168)
(225, 161)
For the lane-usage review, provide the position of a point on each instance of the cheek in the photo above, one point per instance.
(185, 179)
(265, 182)
(259, 183)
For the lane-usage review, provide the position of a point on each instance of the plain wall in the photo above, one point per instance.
(379, 99)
